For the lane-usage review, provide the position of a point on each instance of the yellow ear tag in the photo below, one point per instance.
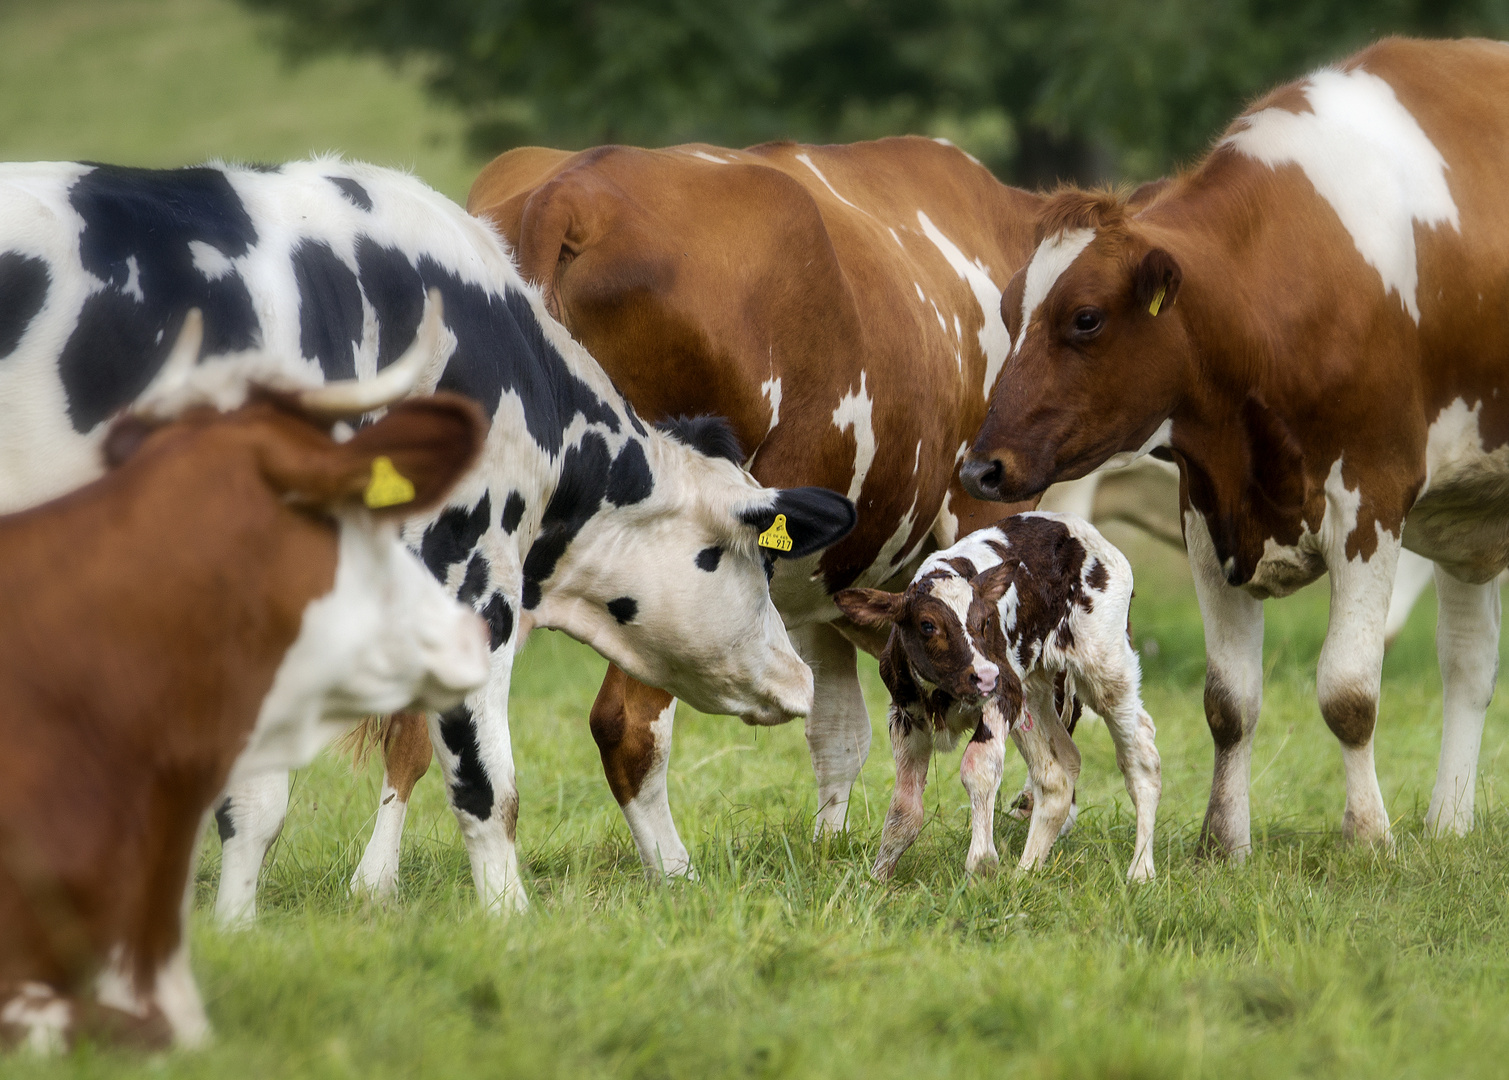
(776, 536)
(388, 486)
(1152, 309)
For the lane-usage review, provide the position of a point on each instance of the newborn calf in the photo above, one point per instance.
(978, 640)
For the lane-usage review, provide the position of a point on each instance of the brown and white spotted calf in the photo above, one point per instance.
(979, 640)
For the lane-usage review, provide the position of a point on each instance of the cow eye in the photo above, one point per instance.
(927, 628)
(1088, 322)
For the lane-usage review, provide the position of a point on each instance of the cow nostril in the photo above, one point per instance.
(982, 478)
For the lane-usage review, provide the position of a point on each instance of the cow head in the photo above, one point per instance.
(667, 572)
(1099, 355)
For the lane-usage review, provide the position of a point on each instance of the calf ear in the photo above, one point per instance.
(869, 607)
(801, 521)
(403, 464)
(1156, 282)
(990, 585)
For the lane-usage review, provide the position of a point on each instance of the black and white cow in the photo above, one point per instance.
(577, 517)
(978, 642)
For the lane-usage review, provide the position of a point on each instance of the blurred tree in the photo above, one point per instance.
(1074, 89)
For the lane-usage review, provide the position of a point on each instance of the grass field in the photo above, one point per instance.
(784, 959)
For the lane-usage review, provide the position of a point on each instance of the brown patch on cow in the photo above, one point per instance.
(1097, 577)
(1222, 712)
(406, 751)
(621, 720)
(963, 566)
(1351, 715)
(1071, 208)
(508, 813)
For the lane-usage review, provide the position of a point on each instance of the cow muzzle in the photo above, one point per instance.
(1002, 477)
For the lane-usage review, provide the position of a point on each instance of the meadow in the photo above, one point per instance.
(785, 959)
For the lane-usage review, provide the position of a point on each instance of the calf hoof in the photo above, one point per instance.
(1140, 871)
(985, 865)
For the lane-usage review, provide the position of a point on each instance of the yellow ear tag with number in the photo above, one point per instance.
(1152, 309)
(776, 536)
(388, 486)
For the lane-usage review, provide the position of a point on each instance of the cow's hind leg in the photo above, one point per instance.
(1467, 645)
(632, 724)
(249, 819)
(1113, 692)
(838, 728)
(980, 770)
(912, 747)
(406, 755)
(1052, 768)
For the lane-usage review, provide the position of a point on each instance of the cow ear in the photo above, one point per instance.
(869, 607)
(990, 585)
(801, 521)
(402, 465)
(1156, 282)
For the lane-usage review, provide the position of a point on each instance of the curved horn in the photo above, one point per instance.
(181, 359)
(351, 397)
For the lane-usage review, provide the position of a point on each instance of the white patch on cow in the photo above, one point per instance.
(115, 986)
(995, 341)
(917, 458)
(957, 594)
(209, 260)
(42, 1014)
(896, 238)
(807, 161)
(855, 411)
(946, 524)
(132, 288)
(958, 329)
(1459, 518)
(1052, 257)
(771, 390)
(1368, 157)
(942, 325)
(705, 156)
(921, 296)
(1123, 458)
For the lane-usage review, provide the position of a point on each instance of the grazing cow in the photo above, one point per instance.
(217, 600)
(978, 641)
(643, 544)
(841, 306)
(1310, 323)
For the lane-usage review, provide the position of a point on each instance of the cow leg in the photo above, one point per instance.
(1052, 768)
(249, 817)
(472, 745)
(1349, 676)
(912, 747)
(1410, 579)
(1233, 692)
(1115, 695)
(1467, 646)
(980, 771)
(632, 725)
(406, 755)
(838, 728)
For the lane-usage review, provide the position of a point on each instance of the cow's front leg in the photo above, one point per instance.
(980, 771)
(406, 757)
(1233, 692)
(838, 728)
(1052, 769)
(912, 747)
(1467, 646)
(249, 818)
(632, 724)
(1350, 674)
(472, 745)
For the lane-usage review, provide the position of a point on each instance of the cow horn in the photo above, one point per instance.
(181, 358)
(351, 397)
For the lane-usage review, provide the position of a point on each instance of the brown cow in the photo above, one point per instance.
(840, 305)
(210, 602)
(1311, 322)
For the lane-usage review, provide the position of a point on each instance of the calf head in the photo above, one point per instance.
(1099, 357)
(668, 576)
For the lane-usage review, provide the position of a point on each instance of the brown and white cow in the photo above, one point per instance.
(217, 599)
(1311, 322)
(841, 306)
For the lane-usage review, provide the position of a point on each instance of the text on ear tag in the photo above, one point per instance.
(1152, 309)
(776, 536)
(388, 486)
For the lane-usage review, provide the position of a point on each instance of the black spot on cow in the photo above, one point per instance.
(396, 293)
(623, 609)
(224, 825)
(963, 567)
(330, 309)
(815, 518)
(630, 480)
(471, 790)
(578, 495)
(711, 436)
(454, 535)
(499, 618)
(634, 421)
(23, 291)
(355, 194)
(473, 582)
(513, 512)
(709, 557)
(138, 228)
(1097, 577)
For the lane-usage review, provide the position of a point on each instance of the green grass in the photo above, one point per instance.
(784, 959)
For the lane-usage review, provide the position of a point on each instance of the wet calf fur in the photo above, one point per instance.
(980, 640)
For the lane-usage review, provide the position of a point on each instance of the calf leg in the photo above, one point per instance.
(1233, 692)
(632, 724)
(249, 817)
(1052, 767)
(912, 747)
(838, 728)
(1349, 675)
(980, 770)
(1114, 694)
(406, 755)
(1467, 646)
